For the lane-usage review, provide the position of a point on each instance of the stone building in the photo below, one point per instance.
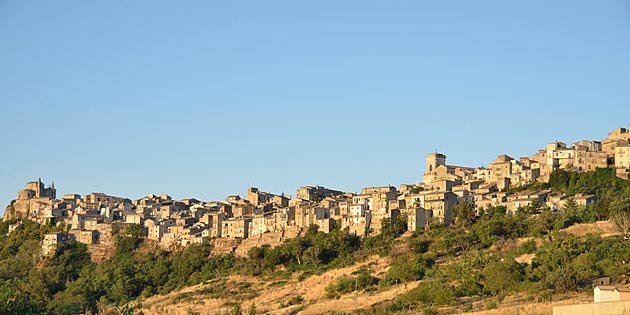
(316, 193)
(84, 236)
(615, 138)
(37, 189)
(416, 218)
(584, 200)
(437, 169)
(437, 203)
(309, 215)
(379, 197)
(586, 160)
(98, 200)
(622, 160)
(52, 241)
(379, 215)
(257, 197)
(236, 228)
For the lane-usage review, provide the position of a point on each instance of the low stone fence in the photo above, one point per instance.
(604, 308)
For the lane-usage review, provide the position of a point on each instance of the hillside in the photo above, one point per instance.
(275, 294)
(488, 261)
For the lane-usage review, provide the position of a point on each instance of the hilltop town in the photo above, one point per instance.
(265, 218)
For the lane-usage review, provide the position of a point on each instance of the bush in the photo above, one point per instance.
(502, 276)
(405, 269)
(430, 311)
(363, 281)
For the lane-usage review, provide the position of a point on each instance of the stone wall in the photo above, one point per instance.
(605, 308)
(272, 239)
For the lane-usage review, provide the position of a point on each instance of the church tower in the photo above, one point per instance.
(40, 188)
(434, 160)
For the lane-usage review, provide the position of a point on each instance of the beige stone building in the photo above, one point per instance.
(37, 189)
(213, 221)
(622, 160)
(359, 219)
(525, 198)
(508, 172)
(557, 203)
(236, 228)
(584, 200)
(259, 198)
(357, 225)
(436, 168)
(558, 156)
(51, 243)
(438, 204)
(615, 138)
(98, 200)
(84, 236)
(584, 155)
(378, 197)
(586, 160)
(261, 223)
(379, 215)
(180, 236)
(156, 229)
(316, 193)
(417, 218)
(309, 215)
(241, 208)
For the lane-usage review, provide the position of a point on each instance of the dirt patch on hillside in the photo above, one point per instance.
(525, 259)
(272, 296)
(603, 228)
(356, 300)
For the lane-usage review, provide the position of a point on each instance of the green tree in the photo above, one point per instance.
(502, 276)
(129, 239)
(15, 300)
(463, 213)
(621, 220)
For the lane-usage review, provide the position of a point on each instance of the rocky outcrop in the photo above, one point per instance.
(271, 239)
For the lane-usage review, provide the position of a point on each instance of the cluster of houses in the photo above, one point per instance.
(95, 217)
(487, 186)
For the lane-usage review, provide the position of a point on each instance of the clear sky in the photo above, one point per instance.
(205, 98)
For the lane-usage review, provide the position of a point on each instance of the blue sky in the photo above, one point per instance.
(205, 98)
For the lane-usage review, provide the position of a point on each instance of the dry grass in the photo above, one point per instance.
(525, 259)
(519, 305)
(311, 289)
(271, 297)
(603, 228)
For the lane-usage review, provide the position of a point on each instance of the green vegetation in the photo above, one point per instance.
(314, 252)
(472, 260)
(361, 280)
